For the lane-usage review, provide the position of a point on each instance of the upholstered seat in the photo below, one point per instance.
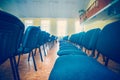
(79, 67)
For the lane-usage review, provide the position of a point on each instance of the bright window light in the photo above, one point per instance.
(28, 23)
(61, 27)
(45, 25)
(78, 28)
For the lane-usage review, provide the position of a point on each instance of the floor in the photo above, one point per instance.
(27, 72)
(26, 69)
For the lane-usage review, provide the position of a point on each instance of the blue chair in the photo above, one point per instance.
(46, 41)
(11, 33)
(70, 52)
(74, 38)
(52, 40)
(67, 48)
(90, 39)
(43, 41)
(81, 36)
(108, 43)
(29, 42)
(38, 46)
(66, 37)
(79, 67)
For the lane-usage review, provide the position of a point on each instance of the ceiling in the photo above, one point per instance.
(44, 8)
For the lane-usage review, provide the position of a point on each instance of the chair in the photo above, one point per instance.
(108, 43)
(81, 36)
(66, 37)
(92, 35)
(87, 40)
(79, 67)
(29, 42)
(44, 41)
(11, 32)
(52, 40)
(74, 38)
(90, 39)
(38, 46)
(70, 52)
(41, 42)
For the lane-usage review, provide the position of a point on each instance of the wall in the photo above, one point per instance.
(91, 2)
(97, 24)
(53, 24)
(71, 26)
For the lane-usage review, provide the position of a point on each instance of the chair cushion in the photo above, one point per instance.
(70, 52)
(78, 67)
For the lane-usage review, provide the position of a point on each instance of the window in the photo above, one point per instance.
(61, 27)
(78, 28)
(45, 25)
(28, 23)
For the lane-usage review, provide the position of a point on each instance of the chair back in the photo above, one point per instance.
(11, 32)
(93, 39)
(90, 38)
(30, 38)
(109, 41)
(81, 35)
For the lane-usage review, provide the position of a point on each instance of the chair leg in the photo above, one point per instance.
(97, 55)
(18, 60)
(40, 54)
(14, 68)
(104, 58)
(35, 51)
(106, 61)
(85, 51)
(29, 57)
(44, 50)
(93, 53)
(34, 61)
(46, 46)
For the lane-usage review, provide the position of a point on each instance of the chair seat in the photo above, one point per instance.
(78, 67)
(24, 50)
(69, 48)
(70, 52)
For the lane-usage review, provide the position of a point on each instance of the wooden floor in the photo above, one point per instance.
(27, 72)
(26, 69)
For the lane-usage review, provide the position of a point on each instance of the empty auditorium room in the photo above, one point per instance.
(59, 39)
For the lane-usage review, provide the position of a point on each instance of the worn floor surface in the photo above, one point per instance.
(27, 72)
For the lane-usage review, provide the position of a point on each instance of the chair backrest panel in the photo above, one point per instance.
(30, 37)
(4, 16)
(10, 35)
(90, 38)
(93, 39)
(81, 35)
(109, 41)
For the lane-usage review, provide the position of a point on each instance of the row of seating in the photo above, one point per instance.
(14, 42)
(74, 64)
(34, 38)
(83, 40)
